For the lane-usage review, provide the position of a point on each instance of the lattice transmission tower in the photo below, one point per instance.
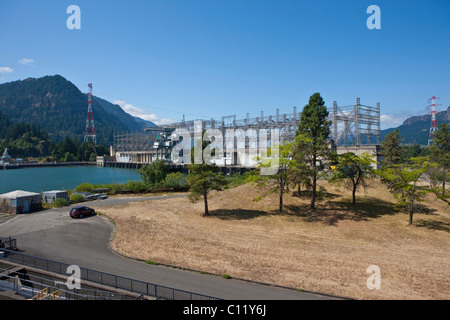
(89, 132)
(433, 127)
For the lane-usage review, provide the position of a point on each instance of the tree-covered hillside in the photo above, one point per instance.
(57, 106)
(415, 130)
(23, 140)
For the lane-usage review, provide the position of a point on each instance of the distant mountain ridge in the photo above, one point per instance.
(59, 107)
(416, 129)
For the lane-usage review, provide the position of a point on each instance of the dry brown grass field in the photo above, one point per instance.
(327, 250)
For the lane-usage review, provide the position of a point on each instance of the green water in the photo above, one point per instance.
(56, 178)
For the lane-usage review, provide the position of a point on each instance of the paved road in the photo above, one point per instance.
(52, 234)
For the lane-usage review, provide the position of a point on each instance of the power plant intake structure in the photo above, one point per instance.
(355, 128)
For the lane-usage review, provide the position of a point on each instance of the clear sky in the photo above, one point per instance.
(208, 58)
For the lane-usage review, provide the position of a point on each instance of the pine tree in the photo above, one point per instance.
(391, 148)
(440, 150)
(314, 144)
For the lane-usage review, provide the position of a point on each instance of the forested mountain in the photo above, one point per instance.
(23, 140)
(415, 130)
(57, 106)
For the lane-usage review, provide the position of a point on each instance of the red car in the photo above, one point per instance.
(80, 212)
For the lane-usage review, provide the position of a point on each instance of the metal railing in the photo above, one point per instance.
(103, 278)
(8, 243)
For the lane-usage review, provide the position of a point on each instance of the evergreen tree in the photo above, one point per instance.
(391, 149)
(313, 142)
(440, 150)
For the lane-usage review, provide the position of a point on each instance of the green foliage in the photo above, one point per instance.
(203, 178)
(135, 186)
(68, 157)
(440, 151)
(154, 173)
(312, 139)
(352, 171)
(240, 179)
(175, 180)
(60, 108)
(84, 187)
(23, 140)
(413, 151)
(69, 149)
(60, 202)
(403, 182)
(76, 198)
(391, 149)
(279, 181)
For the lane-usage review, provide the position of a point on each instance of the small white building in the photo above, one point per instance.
(20, 202)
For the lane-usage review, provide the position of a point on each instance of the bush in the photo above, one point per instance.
(135, 186)
(175, 180)
(76, 198)
(113, 188)
(60, 202)
(84, 187)
(239, 179)
(154, 173)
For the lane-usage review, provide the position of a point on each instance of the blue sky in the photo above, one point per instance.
(208, 58)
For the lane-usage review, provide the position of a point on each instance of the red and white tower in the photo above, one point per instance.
(433, 127)
(89, 133)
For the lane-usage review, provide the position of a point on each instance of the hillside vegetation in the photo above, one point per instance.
(59, 107)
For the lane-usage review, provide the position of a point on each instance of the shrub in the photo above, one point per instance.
(113, 188)
(153, 173)
(76, 198)
(60, 202)
(175, 180)
(135, 186)
(84, 187)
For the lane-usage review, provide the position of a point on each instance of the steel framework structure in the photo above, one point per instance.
(89, 132)
(434, 126)
(353, 125)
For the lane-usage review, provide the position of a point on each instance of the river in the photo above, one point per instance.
(57, 178)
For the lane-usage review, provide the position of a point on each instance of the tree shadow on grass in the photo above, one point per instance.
(332, 212)
(434, 225)
(236, 214)
(321, 195)
(423, 209)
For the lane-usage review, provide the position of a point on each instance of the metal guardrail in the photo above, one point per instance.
(119, 282)
(8, 243)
